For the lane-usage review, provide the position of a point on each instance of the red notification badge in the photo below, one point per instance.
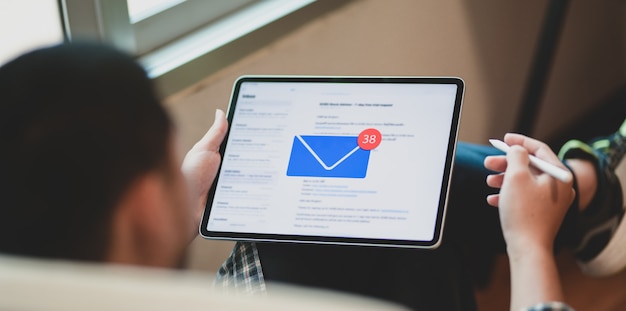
(369, 139)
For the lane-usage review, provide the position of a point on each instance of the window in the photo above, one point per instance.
(142, 9)
(155, 23)
(28, 24)
(174, 38)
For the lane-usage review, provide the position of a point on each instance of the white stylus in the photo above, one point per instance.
(544, 166)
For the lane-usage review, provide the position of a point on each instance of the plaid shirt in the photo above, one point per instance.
(242, 270)
(550, 306)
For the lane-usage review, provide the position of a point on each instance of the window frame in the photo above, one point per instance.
(158, 29)
(176, 63)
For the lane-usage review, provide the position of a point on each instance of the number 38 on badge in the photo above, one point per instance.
(369, 139)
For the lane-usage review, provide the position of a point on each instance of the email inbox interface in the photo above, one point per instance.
(346, 160)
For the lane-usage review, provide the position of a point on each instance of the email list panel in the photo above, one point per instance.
(303, 139)
(243, 198)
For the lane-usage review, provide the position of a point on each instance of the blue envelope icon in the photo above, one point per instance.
(327, 156)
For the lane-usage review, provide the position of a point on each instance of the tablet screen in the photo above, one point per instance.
(341, 160)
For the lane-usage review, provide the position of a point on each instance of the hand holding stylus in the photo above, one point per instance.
(540, 164)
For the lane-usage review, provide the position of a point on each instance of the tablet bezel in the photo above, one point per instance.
(444, 189)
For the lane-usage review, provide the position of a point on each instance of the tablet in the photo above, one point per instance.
(336, 160)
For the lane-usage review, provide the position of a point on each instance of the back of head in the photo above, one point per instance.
(78, 124)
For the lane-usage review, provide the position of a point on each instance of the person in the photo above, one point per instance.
(89, 172)
(88, 168)
(532, 207)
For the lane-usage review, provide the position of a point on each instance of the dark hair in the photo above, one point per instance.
(78, 124)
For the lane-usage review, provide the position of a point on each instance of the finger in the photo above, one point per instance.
(533, 146)
(213, 138)
(517, 161)
(493, 200)
(495, 181)
(572, 196)
(495, 163)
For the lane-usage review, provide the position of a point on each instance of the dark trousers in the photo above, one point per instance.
(438, 279)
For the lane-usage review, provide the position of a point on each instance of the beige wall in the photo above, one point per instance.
(489, 43)
(590, 63)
